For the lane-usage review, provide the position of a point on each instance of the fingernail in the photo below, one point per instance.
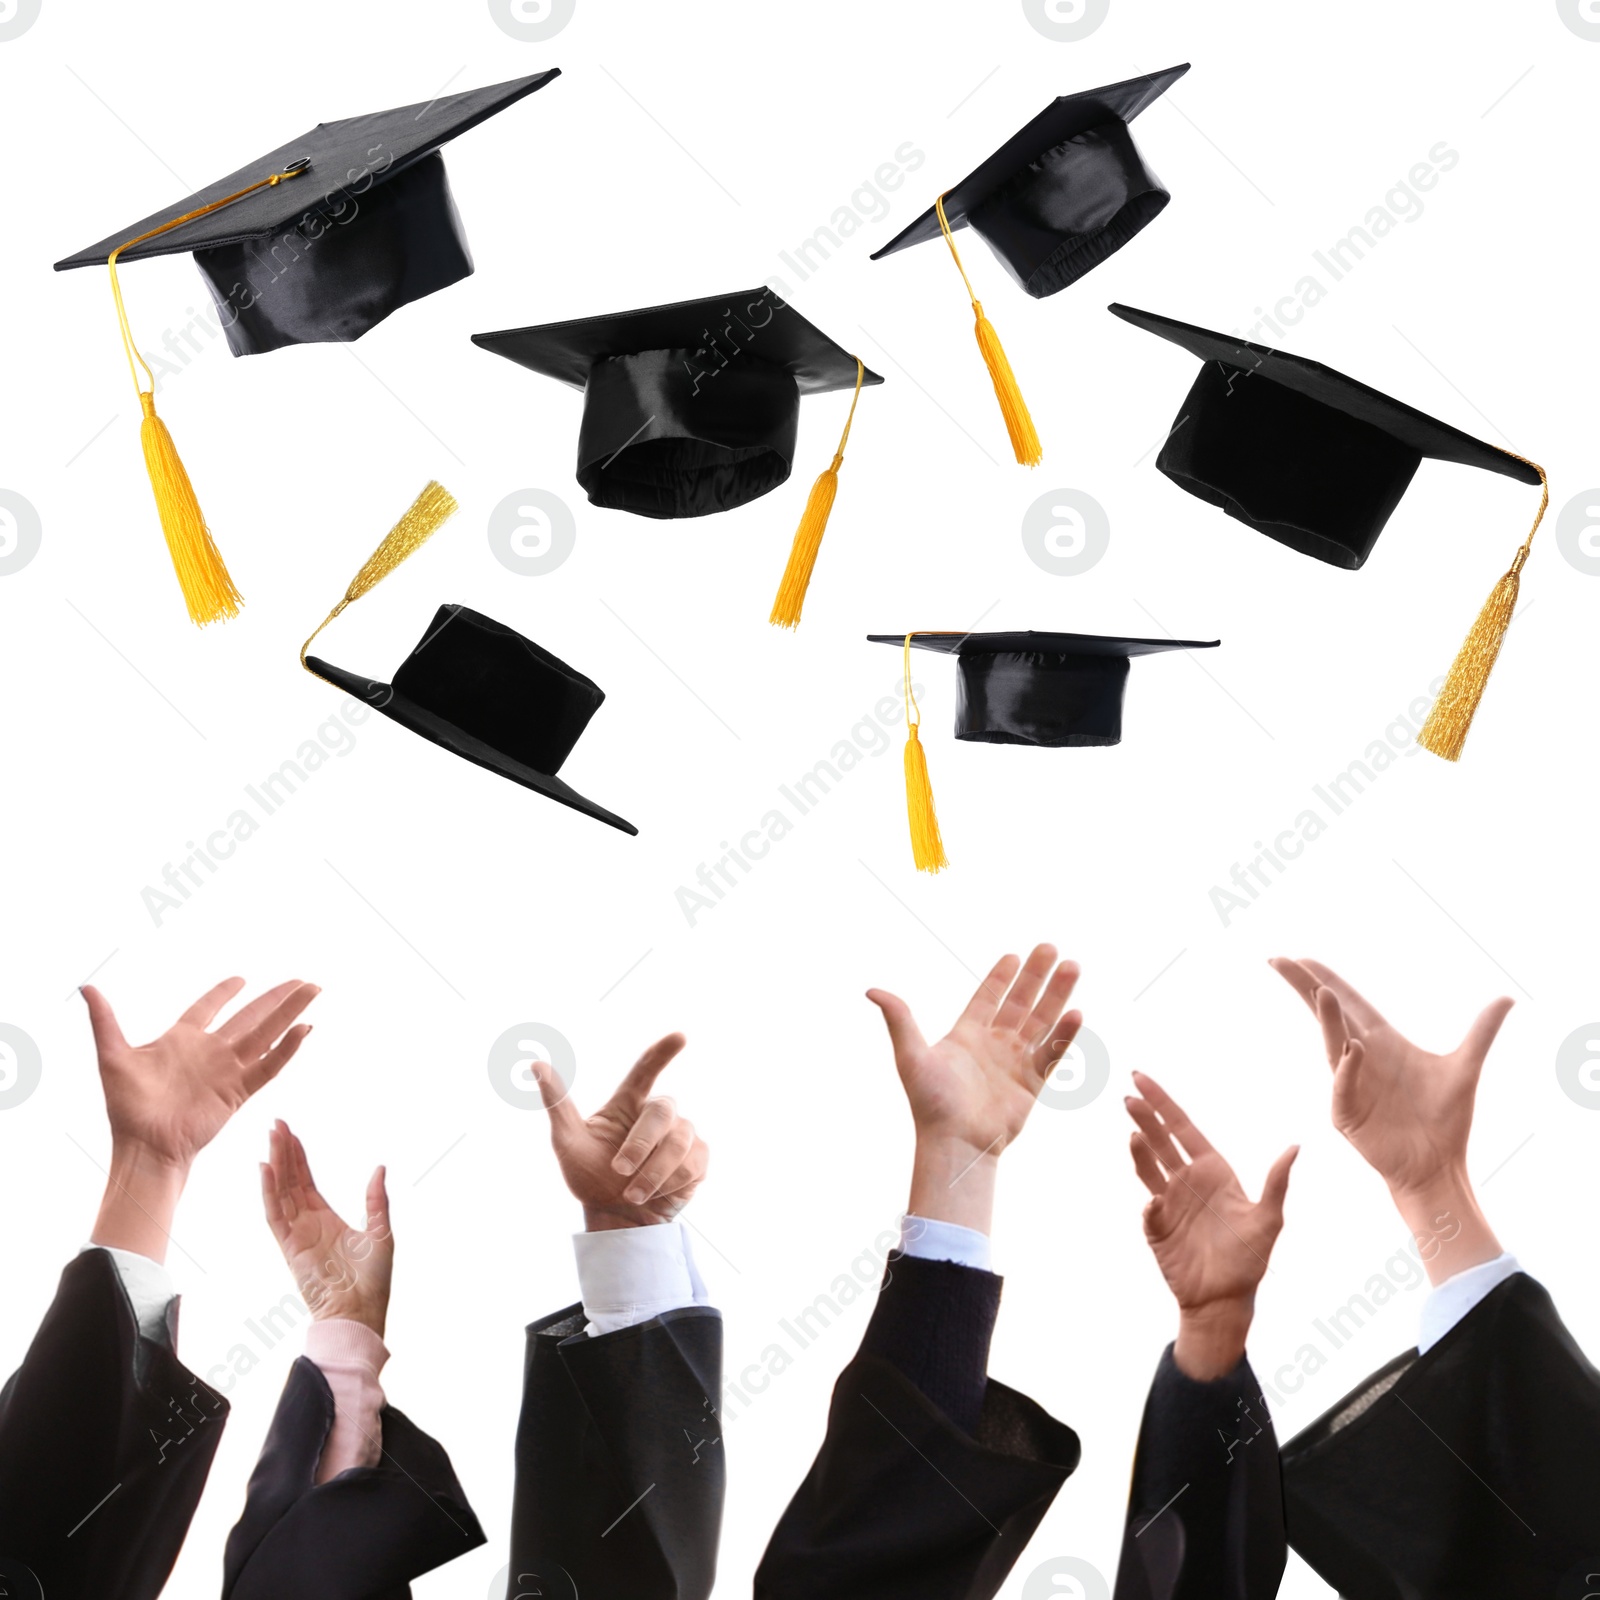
(635, 1194)
(624, 1165)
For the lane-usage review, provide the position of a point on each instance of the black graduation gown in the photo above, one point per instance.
(620, 1471)
(1468, 1473)
(1205, 1514)
(363, 1535)
(905, 1501)
(106, 1439)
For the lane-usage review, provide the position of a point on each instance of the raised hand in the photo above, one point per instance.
(167, 1100)
(971, 1093)
(1407, 1112)
(340, 1271)
(1210, 1240)
(635, 1161)
(171, 1097)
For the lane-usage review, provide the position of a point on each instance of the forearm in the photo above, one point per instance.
(1449, 1226)
(951, 1182)
(140, 1201)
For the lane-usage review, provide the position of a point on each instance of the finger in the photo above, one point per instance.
(636, 1088)
(646, 1133)
(565, 1117)
(259, 1073)
(272, 1202)
(1174, 1116)
(102, 1022)
(378, 1203)
(1484, 1031)
(1047, 1012)
(662, 1162)
(252, 1041)
(985, 1002)
(1146, 1165)
(299, 1166)
(1158, 1140)
(691, 1173)
(1334, 1032)
(1356, 1005)
(1050, 1053)
(252, 1011)
(1347, 1080)
(199, 1015)
(282, 1164)
(1014, 1009)
(904, 1034)
(1277, 1184)
(1298, 979)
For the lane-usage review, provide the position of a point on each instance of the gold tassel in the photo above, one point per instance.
(796, 578)
(927, 848)
(1019, 423)
(208, 590)
(1445, 731)
(428, 513)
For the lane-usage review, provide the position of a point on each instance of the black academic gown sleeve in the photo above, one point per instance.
(1469, 1473)
(903, 1501)
(1205, 1514)
(106, 1439)
(363, 1535)
(620, 1471)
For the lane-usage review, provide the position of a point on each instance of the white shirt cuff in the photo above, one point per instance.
(629, 1275)
(1456, 1296)
(929, 1240)
(147, 1285)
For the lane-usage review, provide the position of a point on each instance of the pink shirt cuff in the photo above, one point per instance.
(351, 1356)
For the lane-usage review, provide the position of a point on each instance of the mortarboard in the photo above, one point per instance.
(1054, 690)
(694, 408)
(1319, 461)
(1053, 202)
(319, 240)
(472, 685)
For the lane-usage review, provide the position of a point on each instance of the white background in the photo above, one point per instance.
(684, 148)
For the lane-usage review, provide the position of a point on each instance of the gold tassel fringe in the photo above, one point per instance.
(208, 590)
(1445, 732)
(927, 848)
(803, 552)
(428, 513)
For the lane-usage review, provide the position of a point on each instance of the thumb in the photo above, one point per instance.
(378, 1204)
(103, 1021)
(1276, 1188)
(557, 1100)
(1483, 1032)
(904, 1034)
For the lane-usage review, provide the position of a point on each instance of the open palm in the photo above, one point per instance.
(978, 1084)
(340, 1271)
(1210, 1240)
(1406, 1111)
(172, 1096)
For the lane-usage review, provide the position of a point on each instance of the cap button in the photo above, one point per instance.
(298, 165)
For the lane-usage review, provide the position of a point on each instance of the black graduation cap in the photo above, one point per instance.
(1063, 193)
(1052, 202)
(366, 225)
(694, 408)
(320, 239)
(1319, 461)
(1055, 690)
(472, 685)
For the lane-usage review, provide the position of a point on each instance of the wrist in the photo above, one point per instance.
(1447, 1224)
(599, 1219)
(952, 1181)
(1211, 1338)
(141, 1197)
